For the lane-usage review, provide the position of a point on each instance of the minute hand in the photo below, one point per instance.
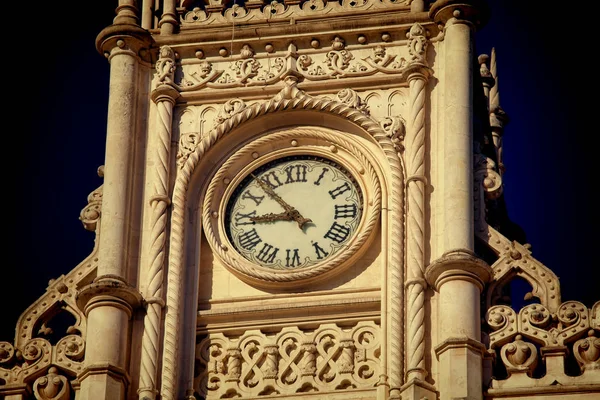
(272, 194)
(291, 211)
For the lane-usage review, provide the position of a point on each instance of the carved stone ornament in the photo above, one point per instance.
(254, 70)
(327, 359)
(51, 386)
(311, 141)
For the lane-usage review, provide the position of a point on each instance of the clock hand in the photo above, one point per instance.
(291, 211)
(271, 217)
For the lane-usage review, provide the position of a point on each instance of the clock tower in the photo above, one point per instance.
(302, 200)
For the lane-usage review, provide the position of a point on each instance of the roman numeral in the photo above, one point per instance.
(318, 181)
(320, 251)
(250, 239)
(240, 216)
(292, 260)
(339, 190)
(300, 173)
(267, 253)
(337, 233)
(345, 211)
(272, 180)
(248, 195)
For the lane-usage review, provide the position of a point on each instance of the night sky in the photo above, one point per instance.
(57, 102)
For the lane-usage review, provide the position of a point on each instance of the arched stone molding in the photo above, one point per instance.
(516, 261)
(277, 142)
(392, 220)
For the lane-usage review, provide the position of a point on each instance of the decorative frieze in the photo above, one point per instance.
(251, 70)
(294, 360)
(278, 11)
(536, 335)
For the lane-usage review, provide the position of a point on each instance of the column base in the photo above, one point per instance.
(460, 364)
(417, 389)
(103, 381)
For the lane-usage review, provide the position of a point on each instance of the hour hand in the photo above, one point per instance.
(271, 217)
(296, 216)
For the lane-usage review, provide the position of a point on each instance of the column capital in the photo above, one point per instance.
(126, 37)
(417, 70)
(164, 92)
(460, 264)
(108, 289)
(476, 12)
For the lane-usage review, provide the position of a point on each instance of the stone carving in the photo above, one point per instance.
(51, 387)
(395, 216)
(537, 331)
(417, 45)
(230, 108)
(514, 259)
(90, 215)
(395, 129)
(327, 359)
(254, 71)
(417, 74)
(587, 352)
(165, 66)
(32, 352)
(160, 142)
(351, 98)
(276, 11)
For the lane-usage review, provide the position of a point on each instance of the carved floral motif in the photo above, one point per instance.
(252, 71)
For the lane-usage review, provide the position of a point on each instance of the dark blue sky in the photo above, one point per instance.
(58, 96)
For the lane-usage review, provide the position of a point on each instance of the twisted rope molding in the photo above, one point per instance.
(175, 266)
(415, 167)
(159, 218)
(306, 273)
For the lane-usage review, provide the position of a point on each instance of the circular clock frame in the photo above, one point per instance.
(315, 142)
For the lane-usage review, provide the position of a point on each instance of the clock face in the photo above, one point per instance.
(294, 212)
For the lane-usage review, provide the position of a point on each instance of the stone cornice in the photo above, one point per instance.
(298, 30)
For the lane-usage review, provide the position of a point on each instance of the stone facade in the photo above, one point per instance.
(183, 298)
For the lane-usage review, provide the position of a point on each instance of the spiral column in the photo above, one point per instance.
(164, 95)
(417, 74)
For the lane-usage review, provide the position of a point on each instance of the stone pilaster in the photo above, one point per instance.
(458, 276)
(459, 20)
(109, 302)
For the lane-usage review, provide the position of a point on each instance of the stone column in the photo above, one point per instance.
(159, 145)
(417, 74)
(109, 302)
(168, 20)
(459, 275)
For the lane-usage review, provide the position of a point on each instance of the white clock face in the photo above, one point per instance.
(294, 212)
